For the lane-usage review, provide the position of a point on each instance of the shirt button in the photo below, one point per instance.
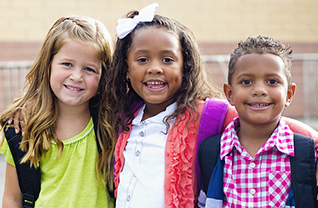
(137, 153)
(128, 198)
(252, 191)
(142, 134)
(252, 165)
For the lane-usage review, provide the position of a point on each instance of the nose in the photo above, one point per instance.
(76, 75)
(155, 68)
(259, 89)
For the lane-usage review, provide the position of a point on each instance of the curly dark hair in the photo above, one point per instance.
(194, 83)
(261, 45)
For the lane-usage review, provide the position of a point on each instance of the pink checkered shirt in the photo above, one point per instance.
(261, 181)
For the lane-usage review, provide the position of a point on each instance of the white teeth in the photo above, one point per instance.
(259, 105)
(72, 88)
(155, 85)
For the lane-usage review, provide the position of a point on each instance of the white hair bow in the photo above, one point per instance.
(126, 25)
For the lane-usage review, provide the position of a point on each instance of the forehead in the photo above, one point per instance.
(150, 36)
(260, 63)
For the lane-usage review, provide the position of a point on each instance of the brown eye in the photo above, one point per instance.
(167, 60)
(272, 81)
(246, 82)
(142, 60)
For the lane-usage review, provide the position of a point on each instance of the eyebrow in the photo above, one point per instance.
(141, 51)
(245, 75)
(146, 50)
(252, 75)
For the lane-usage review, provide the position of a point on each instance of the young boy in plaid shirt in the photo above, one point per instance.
(256, 146)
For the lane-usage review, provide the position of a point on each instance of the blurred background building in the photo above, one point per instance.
(217, 25)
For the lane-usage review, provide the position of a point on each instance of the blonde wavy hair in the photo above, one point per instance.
(41, 118)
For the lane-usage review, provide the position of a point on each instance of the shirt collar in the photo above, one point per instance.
(157, 118)
(282, 138)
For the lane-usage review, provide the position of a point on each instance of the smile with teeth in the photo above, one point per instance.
(72, 88)
(259, 105)
(155, 84)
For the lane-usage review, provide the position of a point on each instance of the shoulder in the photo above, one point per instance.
(301, 142)
(214, 110)
(215, 104)
(5, 150)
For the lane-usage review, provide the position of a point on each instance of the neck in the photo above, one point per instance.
(73, 112)
(71, 121)
(253, 137)
(154, 109)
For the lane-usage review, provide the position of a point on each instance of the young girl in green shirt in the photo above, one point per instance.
(66, 81)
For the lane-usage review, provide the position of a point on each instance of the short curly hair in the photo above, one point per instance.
(261, 45)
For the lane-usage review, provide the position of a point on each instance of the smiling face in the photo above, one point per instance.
(259, 89)
(75, 73)
(155, 65)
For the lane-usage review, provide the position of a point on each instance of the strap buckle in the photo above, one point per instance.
(27, 201)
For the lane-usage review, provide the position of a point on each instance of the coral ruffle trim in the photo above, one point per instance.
(180, 177)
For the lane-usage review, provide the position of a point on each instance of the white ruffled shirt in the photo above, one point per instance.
(142, 179)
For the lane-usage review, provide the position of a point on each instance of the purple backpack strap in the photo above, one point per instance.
(212, 118)
(134, 107)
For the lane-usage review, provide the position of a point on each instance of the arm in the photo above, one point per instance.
(12, 197)
(18, 119)
(301, 128)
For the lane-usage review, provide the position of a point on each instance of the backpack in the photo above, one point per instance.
(302, 168)
(30, 177)
(211, 122)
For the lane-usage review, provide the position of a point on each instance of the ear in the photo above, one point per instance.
(228, 93)
(290, 94)
(127, 76)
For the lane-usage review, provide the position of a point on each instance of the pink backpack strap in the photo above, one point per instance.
(212, 118)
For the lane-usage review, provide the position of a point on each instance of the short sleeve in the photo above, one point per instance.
(5, 150)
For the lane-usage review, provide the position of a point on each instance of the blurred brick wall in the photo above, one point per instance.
(217, 25)
(18, 51)
(210, 20)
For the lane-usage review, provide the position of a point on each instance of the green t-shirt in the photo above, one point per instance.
(70, 181)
